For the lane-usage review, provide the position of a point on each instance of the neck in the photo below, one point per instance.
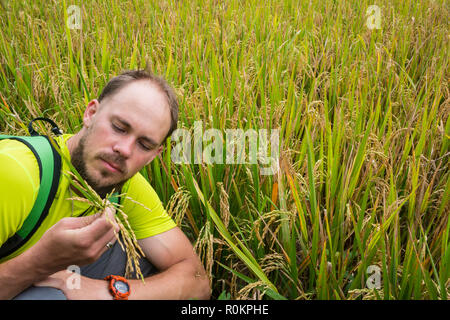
(72, 143)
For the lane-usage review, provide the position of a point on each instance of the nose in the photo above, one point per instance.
(124, 146)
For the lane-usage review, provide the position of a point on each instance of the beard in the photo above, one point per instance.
(79, 162)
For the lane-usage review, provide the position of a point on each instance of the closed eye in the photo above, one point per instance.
(121, 127)
(144, 147)
(118, 128)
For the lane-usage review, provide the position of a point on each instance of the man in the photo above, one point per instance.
(123, 131)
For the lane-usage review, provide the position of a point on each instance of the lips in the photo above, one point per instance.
(112, 166)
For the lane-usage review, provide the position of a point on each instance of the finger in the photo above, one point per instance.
(102, 243)
(78, 222)
(97, 229)
(110, 211)
(81, 222)
(110, 215)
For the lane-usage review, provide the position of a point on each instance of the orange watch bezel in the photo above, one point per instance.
(116, 294)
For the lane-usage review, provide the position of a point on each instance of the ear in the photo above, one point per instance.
(90, 112)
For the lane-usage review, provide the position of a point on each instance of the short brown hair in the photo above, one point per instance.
(127, 77)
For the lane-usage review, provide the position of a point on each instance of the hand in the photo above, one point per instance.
(82, 288)
(75, 241)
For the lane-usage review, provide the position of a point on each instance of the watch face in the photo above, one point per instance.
(121, 286)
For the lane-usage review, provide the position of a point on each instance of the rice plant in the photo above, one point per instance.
(359, 207)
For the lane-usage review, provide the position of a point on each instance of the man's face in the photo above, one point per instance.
(121, 135)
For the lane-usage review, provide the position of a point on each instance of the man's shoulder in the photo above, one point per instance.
(19, 185)
(140, 190)
(138, 184)
(17, 161)
(146, 213)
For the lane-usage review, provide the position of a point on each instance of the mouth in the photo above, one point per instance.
(111, 166)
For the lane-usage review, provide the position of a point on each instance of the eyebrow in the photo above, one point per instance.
(128, 126)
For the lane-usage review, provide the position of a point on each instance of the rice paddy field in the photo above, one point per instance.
(359, 91)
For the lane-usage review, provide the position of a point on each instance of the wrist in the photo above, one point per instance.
(30, 266)
(118, 287)
(58, 281)
(37, 264)
(87, 289)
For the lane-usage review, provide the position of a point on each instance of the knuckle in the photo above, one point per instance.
(63, 222)
(88, 249)
(110, 209)
(83, 243)
(91, 256)
(108, 224)
(109, 214)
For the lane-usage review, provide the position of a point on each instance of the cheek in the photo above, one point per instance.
(140, 163)
(100, 135)
(96, 142)
(143, 161)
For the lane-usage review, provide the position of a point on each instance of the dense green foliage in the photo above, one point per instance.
(363, 120)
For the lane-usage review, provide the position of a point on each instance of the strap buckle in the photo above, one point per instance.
(56, 131)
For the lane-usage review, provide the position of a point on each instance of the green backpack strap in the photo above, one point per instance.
(49, 162)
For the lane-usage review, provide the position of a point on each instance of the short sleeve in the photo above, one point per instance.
(19, 185)
(145, 211)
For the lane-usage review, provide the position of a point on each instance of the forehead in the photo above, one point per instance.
(143, 106)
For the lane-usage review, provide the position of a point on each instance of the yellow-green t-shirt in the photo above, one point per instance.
(19, 186)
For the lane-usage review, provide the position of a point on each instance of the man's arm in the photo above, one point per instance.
(70, 241)
(182, 275)
(18, 274)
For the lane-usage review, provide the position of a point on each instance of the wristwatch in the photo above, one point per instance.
(118, 287)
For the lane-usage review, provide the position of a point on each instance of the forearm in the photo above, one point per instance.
(184, 280)
(71, 241)
(182, 275)
(180, 281)
(19, 273)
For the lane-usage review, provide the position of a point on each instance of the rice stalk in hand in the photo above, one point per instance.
(127, 240)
